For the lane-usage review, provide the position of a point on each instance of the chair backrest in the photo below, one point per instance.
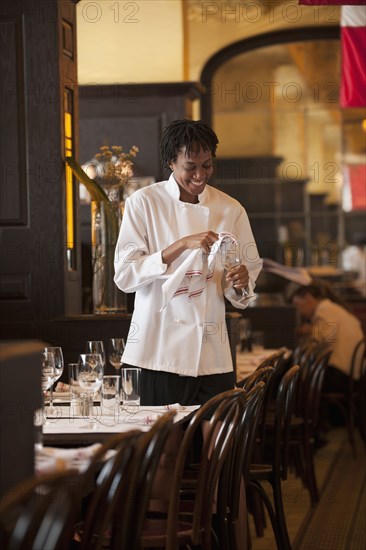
(40, 513)
(358, 357)
(132, 496)
(313, 390)
(362, 401)
(285, 402)
(259, 375)
(226, 408)
(237, 466)
(280, 366)
(103, 477)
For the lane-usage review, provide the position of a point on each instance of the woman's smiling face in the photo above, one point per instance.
(192, 172)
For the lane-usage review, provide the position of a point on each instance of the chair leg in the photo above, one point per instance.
(310, 469)
(351, 428)
(256, 506)
(280, 514)
(272, 516)
(298, 461)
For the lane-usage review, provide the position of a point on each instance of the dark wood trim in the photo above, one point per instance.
(191, 90)
(302, 34)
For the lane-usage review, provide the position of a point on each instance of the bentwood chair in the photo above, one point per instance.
(351, 401)
(187, 518)
(275, 470)
(121, 487)
(133, 495)
(99, 484)
(236, 470)
(40, 513)
(305, 419)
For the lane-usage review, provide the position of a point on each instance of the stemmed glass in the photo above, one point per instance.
(59, 368)
(47, 379)
(116, 348)
(90, 379)
(96, 346)
(231, 260)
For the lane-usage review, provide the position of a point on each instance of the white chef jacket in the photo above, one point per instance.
(187, 337)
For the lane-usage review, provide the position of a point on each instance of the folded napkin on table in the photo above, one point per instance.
(52, 459)
(153, 417)
(62, 387)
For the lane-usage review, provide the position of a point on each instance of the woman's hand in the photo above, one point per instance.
(239, 276)
(200, 240)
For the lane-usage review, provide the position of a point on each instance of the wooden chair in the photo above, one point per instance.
(133, 494)
(100, 483)
(237, 468)
(187, 518)
(305, 419)
(350, 402)
(275, 469)
(259, 375)
(362, 402)
(270, 361)
(40, 513)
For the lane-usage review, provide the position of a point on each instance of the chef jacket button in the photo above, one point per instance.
(177, 321)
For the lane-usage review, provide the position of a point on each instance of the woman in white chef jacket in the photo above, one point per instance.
(179, 339)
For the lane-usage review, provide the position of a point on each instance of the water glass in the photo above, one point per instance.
(74, 386)
(38, 421)
(109, 395)
(56, 351)
(130, 386)
(90, 378)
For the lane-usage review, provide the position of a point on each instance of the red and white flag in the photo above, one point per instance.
(353, 44)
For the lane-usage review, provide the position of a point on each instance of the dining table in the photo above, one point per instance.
(248, 361)
(66, 429)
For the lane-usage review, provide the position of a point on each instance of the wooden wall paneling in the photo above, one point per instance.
(68, 82)
(33, 277)
(133, 114)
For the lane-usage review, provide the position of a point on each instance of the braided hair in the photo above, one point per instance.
(194, 135)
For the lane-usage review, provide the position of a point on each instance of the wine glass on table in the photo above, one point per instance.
(116, 348)
(59, 368)
(47, 379)
(232, 260)
(90, 379)
(96, 346)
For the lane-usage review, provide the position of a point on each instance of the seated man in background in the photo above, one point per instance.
(329, 323)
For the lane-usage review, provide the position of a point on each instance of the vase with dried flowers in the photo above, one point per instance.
(111, 170)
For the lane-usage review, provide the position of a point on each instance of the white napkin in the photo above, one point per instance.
(53, 459)
(197, 269)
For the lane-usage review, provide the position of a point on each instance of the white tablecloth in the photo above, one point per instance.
(248, 361)
(132, 418)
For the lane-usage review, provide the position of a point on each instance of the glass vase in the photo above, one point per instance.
(106, 218)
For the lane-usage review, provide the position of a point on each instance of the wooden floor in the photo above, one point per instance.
(296, 498)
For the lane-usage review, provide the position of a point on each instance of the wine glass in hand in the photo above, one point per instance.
(56, 352)
(232, 260)
(90, 379)
(115, 352)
